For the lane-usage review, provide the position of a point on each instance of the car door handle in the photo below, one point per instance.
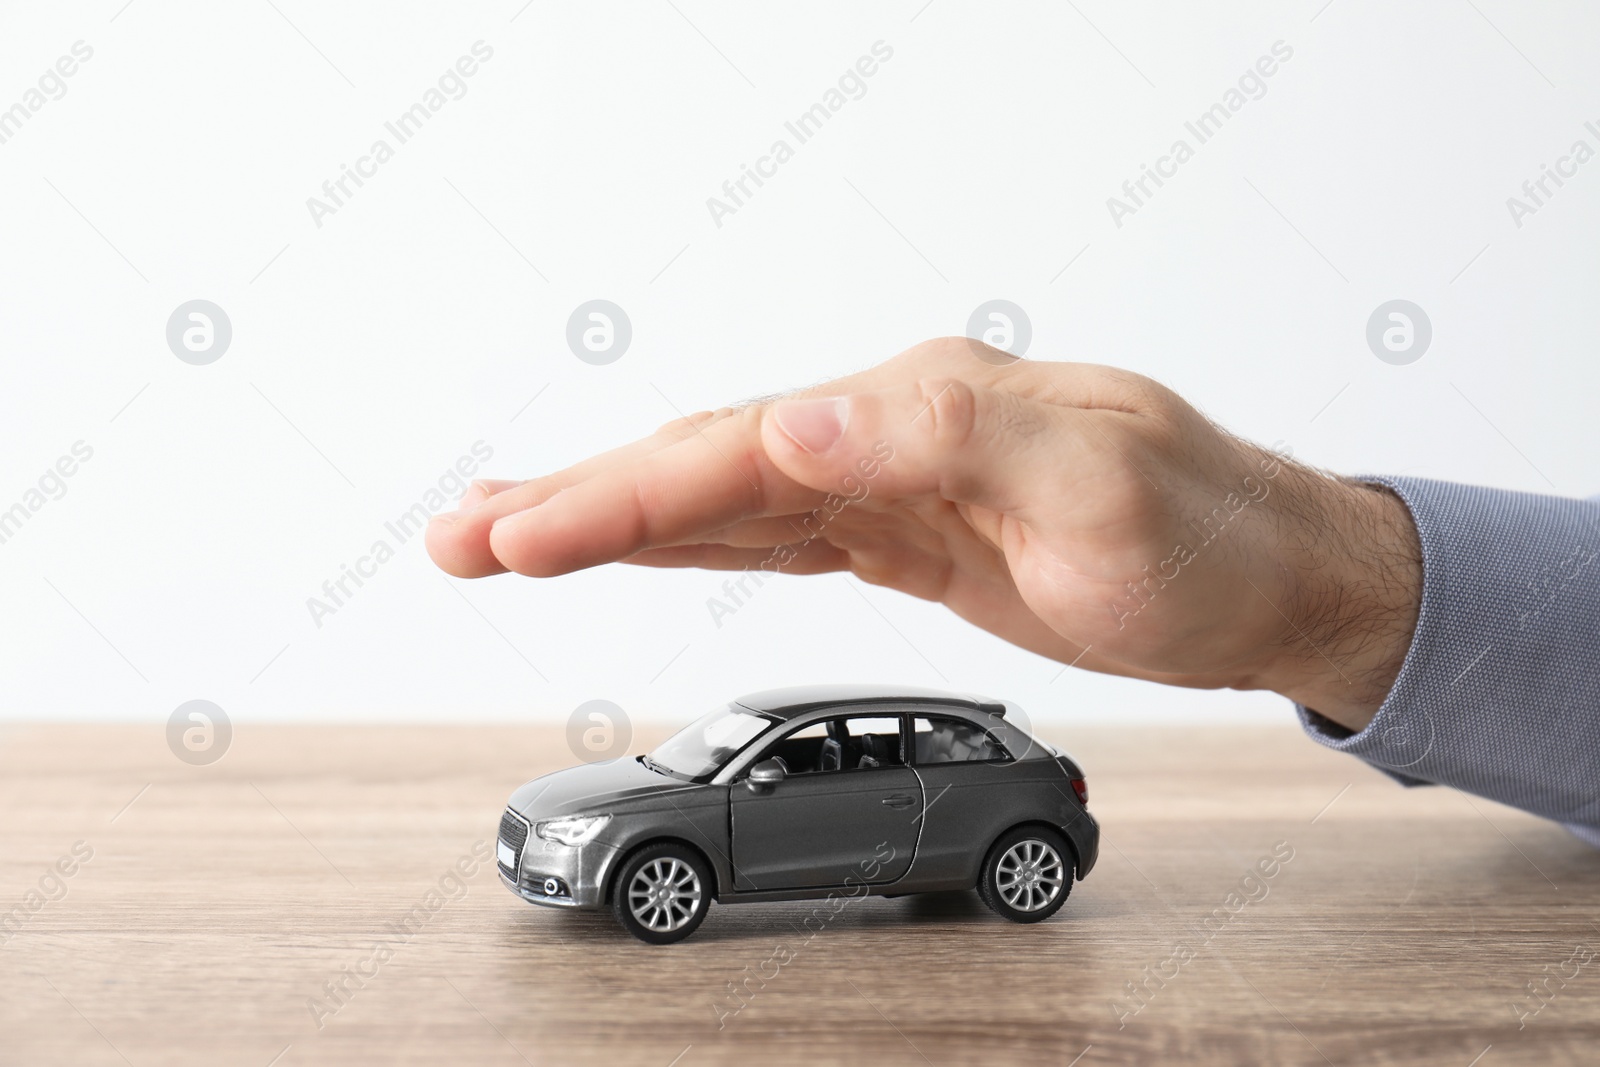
(898, 800)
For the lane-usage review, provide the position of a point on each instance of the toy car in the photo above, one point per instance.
(805, 793)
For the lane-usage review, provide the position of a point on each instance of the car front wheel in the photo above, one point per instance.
(662, 893)
(1027, 875)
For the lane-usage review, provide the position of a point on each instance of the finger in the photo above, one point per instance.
(766, 532)
(458, 541)
(770, 531)
(935, 437)
(706, 482)
(482, 489)
(816, 557)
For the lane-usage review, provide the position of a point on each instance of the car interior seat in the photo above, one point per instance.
(832, 757)
(965, 743)
(948, 741)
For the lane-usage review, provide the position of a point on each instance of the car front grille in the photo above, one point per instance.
(513, 834)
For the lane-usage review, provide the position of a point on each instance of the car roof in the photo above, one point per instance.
(796, 700)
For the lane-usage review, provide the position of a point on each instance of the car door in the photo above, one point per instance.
(968, 775)
(854, 824)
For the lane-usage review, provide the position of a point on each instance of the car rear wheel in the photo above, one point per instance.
(1027, 875)
(662, 893)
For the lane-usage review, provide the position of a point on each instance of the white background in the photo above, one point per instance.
(372, 352)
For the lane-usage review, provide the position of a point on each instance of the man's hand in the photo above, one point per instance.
(1083, 512)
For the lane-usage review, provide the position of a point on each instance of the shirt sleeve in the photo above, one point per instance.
(1499, 694)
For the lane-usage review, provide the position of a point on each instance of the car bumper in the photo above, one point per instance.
(560, 876)
(1084, 833)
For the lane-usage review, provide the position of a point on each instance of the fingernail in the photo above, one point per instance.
(476, 494)
(450, 518)
(814, 425)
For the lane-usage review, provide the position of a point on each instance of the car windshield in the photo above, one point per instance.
(707, 743)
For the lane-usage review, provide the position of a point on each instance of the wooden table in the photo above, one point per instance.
(220, 902)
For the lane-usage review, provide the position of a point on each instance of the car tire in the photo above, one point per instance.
(1027, 874)
(662, 893)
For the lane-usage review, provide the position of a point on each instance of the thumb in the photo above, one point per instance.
(968, 444)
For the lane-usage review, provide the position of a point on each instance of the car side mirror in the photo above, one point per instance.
(765, 775)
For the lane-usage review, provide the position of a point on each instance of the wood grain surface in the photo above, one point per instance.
(209, 911)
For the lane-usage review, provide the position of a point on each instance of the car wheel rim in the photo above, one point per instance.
(664, 895)
(1030, 875)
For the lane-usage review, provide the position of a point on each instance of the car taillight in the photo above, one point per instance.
(1081, 787)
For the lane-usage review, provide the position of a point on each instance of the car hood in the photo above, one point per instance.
(624, 784)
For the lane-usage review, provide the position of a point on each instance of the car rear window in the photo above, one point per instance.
(954, 741)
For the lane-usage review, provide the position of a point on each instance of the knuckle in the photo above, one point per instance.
(952, 355)
(745, 423)
(1155, 397)
(1170, 425)
(965, 358)
(676, 427)
(1146, 395)
(948, 413)
(949, 356)
(960, 415)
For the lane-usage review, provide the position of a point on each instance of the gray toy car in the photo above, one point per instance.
(808, 792)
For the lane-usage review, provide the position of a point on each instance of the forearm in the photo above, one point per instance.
(1356, 560)
(1497, 690)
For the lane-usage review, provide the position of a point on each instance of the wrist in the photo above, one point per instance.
(1355, 578)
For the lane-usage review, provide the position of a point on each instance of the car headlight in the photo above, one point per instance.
(572, 831)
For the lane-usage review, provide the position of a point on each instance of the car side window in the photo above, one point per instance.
(954, 741)
(801, 750)
(868, 742)
(848, 743)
